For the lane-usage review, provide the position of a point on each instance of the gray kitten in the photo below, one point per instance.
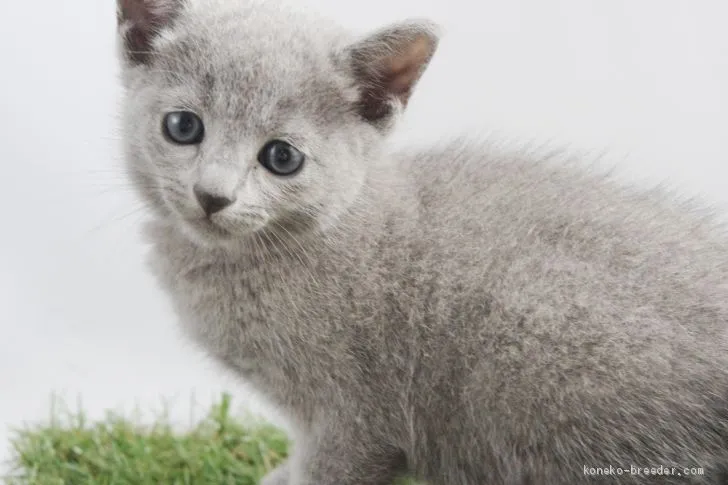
(460, 315)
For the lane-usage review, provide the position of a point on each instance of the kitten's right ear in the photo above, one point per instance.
(139, 21)
(388, 64)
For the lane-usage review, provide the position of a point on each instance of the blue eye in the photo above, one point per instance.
(280, 158)
(183, 128)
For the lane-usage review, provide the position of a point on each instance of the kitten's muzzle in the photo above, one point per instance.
(211, 203)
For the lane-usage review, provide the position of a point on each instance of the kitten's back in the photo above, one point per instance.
(602, 332)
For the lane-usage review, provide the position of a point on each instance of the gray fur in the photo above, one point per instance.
(469, 317)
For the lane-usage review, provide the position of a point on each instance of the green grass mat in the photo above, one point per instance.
(219, 450)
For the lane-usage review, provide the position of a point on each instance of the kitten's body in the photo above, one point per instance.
(471, 318)
(582, 331)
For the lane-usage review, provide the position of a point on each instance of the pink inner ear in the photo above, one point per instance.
(142, 19)
(147, 13)
(388, 69)
(134, 11)
(402, 71)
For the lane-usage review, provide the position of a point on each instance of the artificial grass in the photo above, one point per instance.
(219, 450)
(117, 451)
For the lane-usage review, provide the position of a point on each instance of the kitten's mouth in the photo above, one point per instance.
(216, 229)
(220, 228)
(213, 232)
(207, 230)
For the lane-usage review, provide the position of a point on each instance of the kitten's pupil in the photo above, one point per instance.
(280, 158)
(186, 125)
(283, 156)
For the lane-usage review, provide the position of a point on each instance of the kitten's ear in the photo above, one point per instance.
(139, 21)
(388, 64)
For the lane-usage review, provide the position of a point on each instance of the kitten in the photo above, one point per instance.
(462, 316)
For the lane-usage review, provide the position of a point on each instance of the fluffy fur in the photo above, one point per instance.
(457, 314)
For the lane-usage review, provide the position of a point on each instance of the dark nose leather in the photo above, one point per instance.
(211, 203)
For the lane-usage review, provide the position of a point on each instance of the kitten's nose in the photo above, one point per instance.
(211, 203)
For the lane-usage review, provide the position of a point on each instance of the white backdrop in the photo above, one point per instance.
(645, 81)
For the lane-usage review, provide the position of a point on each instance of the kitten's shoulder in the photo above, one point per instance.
(464, 168)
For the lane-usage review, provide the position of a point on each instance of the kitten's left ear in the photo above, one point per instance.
(388, 64)
(139, 21)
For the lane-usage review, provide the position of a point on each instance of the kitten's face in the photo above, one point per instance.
(238, 119)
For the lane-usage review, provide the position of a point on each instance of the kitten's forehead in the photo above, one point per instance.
(239, 58)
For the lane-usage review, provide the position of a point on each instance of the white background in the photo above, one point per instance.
(644, 81)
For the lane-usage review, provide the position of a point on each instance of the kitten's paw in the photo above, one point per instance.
(279, 476)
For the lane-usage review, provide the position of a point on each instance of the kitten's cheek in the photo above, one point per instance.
(181, 207)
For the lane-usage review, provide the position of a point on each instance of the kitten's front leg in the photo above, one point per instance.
(341, 458)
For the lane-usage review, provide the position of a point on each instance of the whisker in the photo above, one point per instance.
(117, 219)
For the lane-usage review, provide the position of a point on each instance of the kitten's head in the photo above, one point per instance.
(241, 116)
